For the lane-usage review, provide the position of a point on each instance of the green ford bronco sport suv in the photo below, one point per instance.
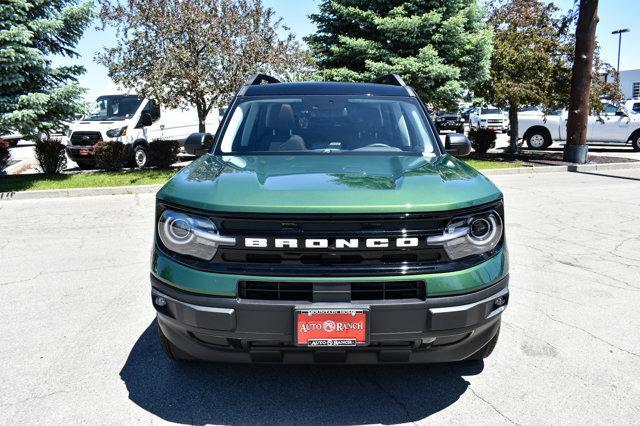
(328, 223)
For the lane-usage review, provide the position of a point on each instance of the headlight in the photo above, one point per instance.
(191, 235)
(115, 133)
(469, 235)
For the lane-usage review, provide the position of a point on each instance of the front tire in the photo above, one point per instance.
(538, 139)
(487, 349)
(170, 350)
(635, 142)
(140, 157)
(85, 165)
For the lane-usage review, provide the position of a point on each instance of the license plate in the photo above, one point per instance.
(331, 327)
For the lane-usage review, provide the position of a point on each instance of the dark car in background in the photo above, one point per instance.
(450, 120)
(466, 113)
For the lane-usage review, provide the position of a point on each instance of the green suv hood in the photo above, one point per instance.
(338, 183)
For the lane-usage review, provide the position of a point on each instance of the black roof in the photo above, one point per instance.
(325, 88)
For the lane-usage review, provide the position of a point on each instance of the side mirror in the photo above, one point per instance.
(198, 143)
(621, 113)
(145, 120)
(457, 144)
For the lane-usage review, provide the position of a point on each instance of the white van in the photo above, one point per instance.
(124, 116)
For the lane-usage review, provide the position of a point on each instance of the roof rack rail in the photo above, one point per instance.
(392, 79)
(259, 78)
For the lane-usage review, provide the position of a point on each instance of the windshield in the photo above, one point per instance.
(116, 107)
(327, 124)
(490, 111)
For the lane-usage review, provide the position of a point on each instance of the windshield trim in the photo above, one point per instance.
(438, 145)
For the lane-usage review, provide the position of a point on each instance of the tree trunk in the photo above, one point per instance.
(202, 116)
(575, 150)
(513, 127)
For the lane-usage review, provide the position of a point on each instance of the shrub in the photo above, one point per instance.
(163, 152)
(482, 140)
(4, 155)
(50, 155)
(109, 155)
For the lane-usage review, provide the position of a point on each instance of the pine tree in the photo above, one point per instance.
(36, 96)
(439, 47)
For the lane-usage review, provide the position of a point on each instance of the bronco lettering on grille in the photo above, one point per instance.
(338, 243)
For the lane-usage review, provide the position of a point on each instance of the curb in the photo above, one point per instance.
(17, 166)
(146, 189)
(79, 192)
(554, 169)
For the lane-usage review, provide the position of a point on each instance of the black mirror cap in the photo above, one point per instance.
(198, 143)
(457, 144)
(621, 113)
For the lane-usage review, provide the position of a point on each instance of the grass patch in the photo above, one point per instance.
(84, 180)
(488, 164)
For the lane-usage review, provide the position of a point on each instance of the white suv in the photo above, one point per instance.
(489, 118)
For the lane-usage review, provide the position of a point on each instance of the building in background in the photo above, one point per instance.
(630, 83)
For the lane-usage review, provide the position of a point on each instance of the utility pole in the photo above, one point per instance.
(619, 32)
(575, 150)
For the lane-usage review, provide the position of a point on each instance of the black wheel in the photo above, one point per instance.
(170, 350)
(487, 349)
(635, 142)
(538, 139)
(140, 157)
(86, 165)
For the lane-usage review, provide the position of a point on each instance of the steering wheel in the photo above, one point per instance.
(378, 145)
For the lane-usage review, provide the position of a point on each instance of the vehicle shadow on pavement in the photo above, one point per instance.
(199, 393)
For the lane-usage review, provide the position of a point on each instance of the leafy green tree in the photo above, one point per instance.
(36, 96)
(533, 58)
(197, 52)
(438, 47)
(532, 50)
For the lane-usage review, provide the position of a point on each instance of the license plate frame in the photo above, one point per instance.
(354, 338)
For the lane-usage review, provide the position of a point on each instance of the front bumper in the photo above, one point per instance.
(85, 152)
(495, 126)
(449, 125)
(439, 329)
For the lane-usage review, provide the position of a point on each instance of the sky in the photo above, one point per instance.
(614, 14)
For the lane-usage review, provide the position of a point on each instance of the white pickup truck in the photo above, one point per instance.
(614, 125)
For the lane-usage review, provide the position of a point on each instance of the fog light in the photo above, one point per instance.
(160, 301)
(500, 301)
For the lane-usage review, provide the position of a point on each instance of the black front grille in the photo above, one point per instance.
(359, 291)
(331, 260)
(330, 227)
(85, 138)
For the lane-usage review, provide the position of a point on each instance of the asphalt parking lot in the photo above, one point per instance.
(78, 343)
